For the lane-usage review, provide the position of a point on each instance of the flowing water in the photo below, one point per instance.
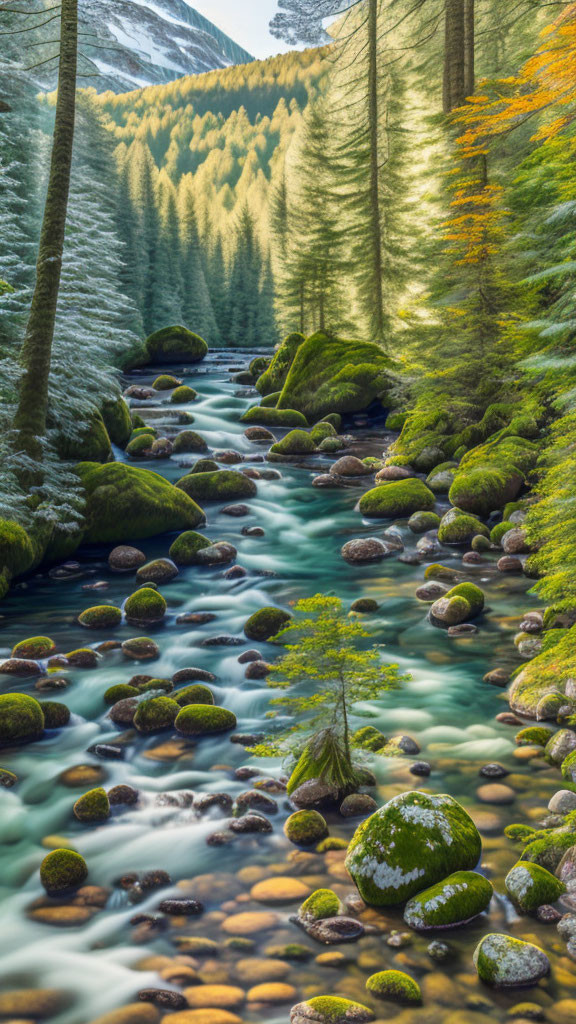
(445, 707)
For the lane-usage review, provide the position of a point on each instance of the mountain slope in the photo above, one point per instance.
(135, 43)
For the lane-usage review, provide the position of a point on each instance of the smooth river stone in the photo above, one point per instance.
(223, 997)
(495, 793)
(280, 890)
(249, 923)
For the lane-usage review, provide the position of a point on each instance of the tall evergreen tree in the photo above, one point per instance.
(196, 302)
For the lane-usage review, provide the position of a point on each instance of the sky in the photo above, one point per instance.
(245, 21)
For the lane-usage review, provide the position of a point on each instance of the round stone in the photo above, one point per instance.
(125, 558)
(495, 793)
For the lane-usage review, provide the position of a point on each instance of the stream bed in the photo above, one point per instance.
(121, 947)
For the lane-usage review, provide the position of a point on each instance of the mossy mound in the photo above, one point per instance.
(166, 382)
(120, 691)
(297, 442)
(259, 365)
(274, 376)
(396, 420)
(93, 806)
(267, 417)
(140, 445)
(411, 843)
(183, 394)
(460, 604)
(117, 420)
(334, 418)
(323, 757)
(323, 903)
(509, 963)
(370, 738)
(544, 678)
(452, 902)
(176, 344)
(421, 522)
(500, 531)
(21, 718)
(188, 441)
(165, 685)
(63, 871)
(398, 499)
(331, 1010)
(547, 848)
(196, 694)
(56, 715)
(145, 429)
(533, 735)
(396, 986)
(156, 715)
(530, 886)
(204, 720)
(145, 606)
(440, 479)
(266, 623)
(322, 431)
(269, 401)
(493, 474)
(92, 444)
(184, 549)
(125, 504)
(102, 616)
(305, 828)
(35, 649)
(222, 485)
(460, 528)
(204, 466)
(17, 552)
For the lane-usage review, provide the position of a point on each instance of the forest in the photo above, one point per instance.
(288, 519)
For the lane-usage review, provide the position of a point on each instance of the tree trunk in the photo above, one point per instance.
(469, 47)
(375, 213)
(454, 55)
(31, 414)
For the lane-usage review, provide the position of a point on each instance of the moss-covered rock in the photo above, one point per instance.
(188, 441)
(533, 735)
(331, 1010)
(458, 528)
(36, 648)
(120, 691)
(396, 986)
(269, 401)
(175, 344)
(266, 623)
(141, 445)
(530, 886)
(411, 843)
(335, 375)
(274, 377)
(204, 720)
(396, 420)
(569, 767)
(323, 903)
(453, 901)
(145, 606)
(124, 504)
(93, 806)
(223, 485)
(92, 443)
(21, 718)
(398, 499)
(267, 417)
(305, 828)
(117, 420)
(183, 394)
(56, 715)
(17, 552)
(102, 616)
(195, 694)
(146, 429)
(460, 604)
(370, 738)
(156, 715)
(259, 365)
(544, 678)
(547, 848)
(184, 549)
(500, 530)
(321, 431)
(63, 871)
(441, 478)
(297, 442)
(505, 962)
(421, 522)
(166, 382)
(140, 648)
(491, 475)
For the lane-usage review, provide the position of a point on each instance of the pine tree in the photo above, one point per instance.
(197, 310)
(241, 325)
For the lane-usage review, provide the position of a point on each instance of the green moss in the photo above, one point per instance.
(274, 377)
(460, 529)
(412, 842)
(421, 522)
(189, 441)
(335, 1010)
(500, 530)
(472, 594)
(21, 718)
(266, 623)
(569, 767)
(305, 828)
(398, 499)
(182, 395)
(184, 549)
(121, 691)
(291, 951)
(321, 904)
(36, 648)
(125, 504)
(533, 735)
(396, 420)
(166, 685)
(439, 572)
(146, 605)
(204, 466)
(332, 445)
(530, 886)
(259, 365)
(297, 442)
(369, 738)
(156, 715)
(509, 963)
(92, 443)
(492, 474)
(102, 616)
(56, 715)
(332, 843)
(545, 676)
(93, 806)
(441, 477)
(323, 757)
(196, 694)
(166, 382)
(204, 720)
(395, 986)
(116, 417)
(321, 431)
(334, 418)
(140, 445)
(548, 848)
(177, 344)
(519, 833)
(223, 485)
(17, 552)
(63, 871)
(269, 401)
(137, 421)
(274, 417)
(139, 431)
(453, 901)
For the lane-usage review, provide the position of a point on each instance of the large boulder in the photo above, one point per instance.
(124, 504)
(411, 843)
(398, 499)
(493, 474)
(537, 690)
(505, 962)
(116, 416)
(274, 417)
(176, 344)
(21, 718)
(454, 901)
(274, 377)
(221, 485)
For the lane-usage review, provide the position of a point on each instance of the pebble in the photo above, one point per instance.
(497, 677)
(439, 951)
(251, 823)
(509, 563)
(107, 751)
(166, 999)
(236, 572)
(249, 923)
(420, 768)
(495, 794)
(332, 931)
(493, 771)
(184, 907)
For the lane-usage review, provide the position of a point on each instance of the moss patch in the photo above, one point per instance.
(509, 963)
(183, 394)
(166, 382)
(530, 886)
(140, 445)
(274, 377)
(116, 417)
(56, 715)
(17, 552)
(305, 828)
(204, 720)
(36, 648)
(102, 616)
(145, 606)
(453, 901)
(460, 529)
(396, 986)
(120, 691)
(544, 677)
(297, 442)
(397, 499)
(266, 623)
(223, 485)
(156, 715)
(320, 905)
(335, 1010)
(176, 343)
(63, 871)
(189, 441)
(267, 417)
(93, 806)
(196, 694)
(21, 718)
(185, 548)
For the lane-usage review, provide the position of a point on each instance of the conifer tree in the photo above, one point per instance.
(197, 310)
